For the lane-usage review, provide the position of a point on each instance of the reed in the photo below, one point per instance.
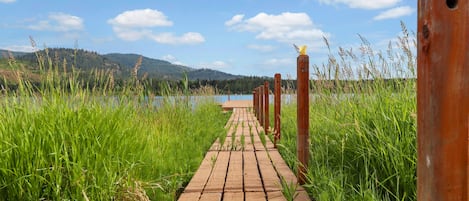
(362, 124)
(65, 140)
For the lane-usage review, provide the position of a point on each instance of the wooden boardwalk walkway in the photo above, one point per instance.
(242, 167)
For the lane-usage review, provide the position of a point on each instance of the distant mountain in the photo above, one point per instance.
(209, 74)
(6, 53)
(153, 67)
(120, 64)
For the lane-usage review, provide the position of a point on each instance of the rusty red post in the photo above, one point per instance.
(261, 108)
(277, 102)
(443, 100)
(303, 116)
(254, 101)
(258, 103)
(266, 107)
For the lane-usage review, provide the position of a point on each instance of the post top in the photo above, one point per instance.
(301, 50)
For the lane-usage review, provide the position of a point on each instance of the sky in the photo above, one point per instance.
(242, 37)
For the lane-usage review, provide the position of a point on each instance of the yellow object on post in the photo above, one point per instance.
(301, 50)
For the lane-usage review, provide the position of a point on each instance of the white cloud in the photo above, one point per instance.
(216, 65)
(136, 25)
(285, 27)
(7, 1)
(19, 48)
(67, 22)
(234, 20)
(262, 48)
(169, 38)
(280, 62)
(169, 58)
(219, 64)
(395, 13)
(364, 4)
(59, 22)
(140, 18)
(131, 34)
(172, 59)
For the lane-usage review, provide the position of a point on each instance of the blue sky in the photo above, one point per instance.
(247, 37)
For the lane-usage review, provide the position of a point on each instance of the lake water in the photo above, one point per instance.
(286, 98)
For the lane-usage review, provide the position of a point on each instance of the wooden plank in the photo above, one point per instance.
(248, 146)
(227, 144)
(252, 178)
(231, 120)
(217, 178)
(189, 196)
(200, 177)
(302, 196)
(233, 196)
(209, 196)
(238, 144)
(268, 143)
(275, 196)
(229, 105)
(234, 180)
(258, 145)
(268, 173)
(216, 146)
(282, 168)
(257, 142)
(255, 196)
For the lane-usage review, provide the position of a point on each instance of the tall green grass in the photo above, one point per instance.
(362, 133)
(63, 141)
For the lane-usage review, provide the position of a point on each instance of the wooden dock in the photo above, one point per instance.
(242, 167)
(229, 105)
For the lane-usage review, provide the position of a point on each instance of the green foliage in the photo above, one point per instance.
(363, 137)
(209, 74)
(63, 141)
(289, 189)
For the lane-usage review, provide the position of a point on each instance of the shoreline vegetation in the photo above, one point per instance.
(362, 139)
(65, 139)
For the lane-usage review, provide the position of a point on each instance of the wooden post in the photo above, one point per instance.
(261, 108)
(254, 102)
(258, 104)
(256, 109)
(266, 107)
(303, 115)
(443, 100)
(277, 102)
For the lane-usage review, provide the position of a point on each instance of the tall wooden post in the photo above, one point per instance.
(257, 103)
(266, 107)
(261, 108)
(443, 100)
(277, 102)
(254, 101)
(303, 115)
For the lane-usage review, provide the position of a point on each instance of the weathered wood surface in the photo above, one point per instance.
(241, 167)
(229, 105)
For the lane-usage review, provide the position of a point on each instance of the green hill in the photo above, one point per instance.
(6, 54)
(209, 74)
(155, 68)
(120, 64)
